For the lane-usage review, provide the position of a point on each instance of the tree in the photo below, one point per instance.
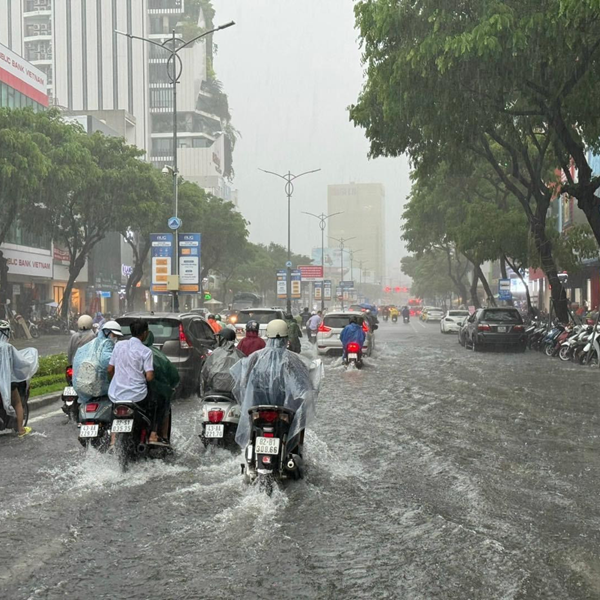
(429, 274)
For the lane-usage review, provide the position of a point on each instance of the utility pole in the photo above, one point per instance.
(289, 178)
(341, 242)
(322, 224)
(173, 46)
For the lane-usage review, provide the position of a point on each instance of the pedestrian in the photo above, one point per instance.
(294, 334)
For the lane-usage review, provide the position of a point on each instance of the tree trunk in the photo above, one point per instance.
(486, 286)
(77, 264)
(503, 268)
(517, 270)
(461, 288)
(474, 296)
(139, 257)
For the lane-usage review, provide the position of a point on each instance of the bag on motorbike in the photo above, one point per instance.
(90, 376)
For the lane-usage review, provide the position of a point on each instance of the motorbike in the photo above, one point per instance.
(270, 455)
(386, 317)
(591, 351)
(95, 420)
(406, 319)
(568, 346)
(353, 355)
(394, 318)
(220, 418)
(7, 422)
(132, 424)
(554, 338)
(69, 396)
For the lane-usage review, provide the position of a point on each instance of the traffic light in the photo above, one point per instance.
(397, 289)
(388, 289)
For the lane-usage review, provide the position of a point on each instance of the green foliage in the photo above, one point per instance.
(46, 380)
(54, 364)
(429, 274)
(47, 389)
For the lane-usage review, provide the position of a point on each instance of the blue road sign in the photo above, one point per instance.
(174, 223)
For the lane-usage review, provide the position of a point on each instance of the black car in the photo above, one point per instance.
(185, 338)
(494, 327)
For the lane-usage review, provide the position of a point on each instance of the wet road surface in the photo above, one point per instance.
(434, 472)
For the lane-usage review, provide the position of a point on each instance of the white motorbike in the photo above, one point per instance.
(220, 418)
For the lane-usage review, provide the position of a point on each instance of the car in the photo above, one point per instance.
(433, 314)
(424, 310)
(328, 334)
(262, 315)
(185, 338)
(452, 320)
(494, 327)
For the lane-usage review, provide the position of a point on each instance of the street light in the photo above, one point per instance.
(352, 252)
(289, 190)
(342, 241)
(361, 262)
(174, 70)
(322, 219)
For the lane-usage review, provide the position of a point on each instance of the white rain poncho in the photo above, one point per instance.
(15, 366)
(277, 377)
(215, 371)
(91, 380)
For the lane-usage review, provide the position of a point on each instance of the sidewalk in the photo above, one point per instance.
(46, 344)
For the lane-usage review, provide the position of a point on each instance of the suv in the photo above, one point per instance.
(262, 315)
(185, 338)
(328, 334)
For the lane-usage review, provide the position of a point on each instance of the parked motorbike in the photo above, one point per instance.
(553, 338)
(95, 419)
(7, 422)
(69, 396)
(220, 418)
(270, 455)
(353, 355)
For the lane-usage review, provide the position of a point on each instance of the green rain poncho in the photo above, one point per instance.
(166, 377)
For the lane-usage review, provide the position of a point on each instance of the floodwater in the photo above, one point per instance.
(432, 473)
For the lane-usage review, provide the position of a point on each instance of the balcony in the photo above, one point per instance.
(36, 8)
(165, 7)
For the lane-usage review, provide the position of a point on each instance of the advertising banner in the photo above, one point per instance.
(311, 272)
(189, 262)
(296, 284)
(162, 261)
(333, 257)
(318, 290)
(27, 263)
(327, 289)
(281, 280)
(504, 292)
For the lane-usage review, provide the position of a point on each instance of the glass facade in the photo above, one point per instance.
(10, 98)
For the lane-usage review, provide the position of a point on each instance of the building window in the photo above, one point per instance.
(161, 98)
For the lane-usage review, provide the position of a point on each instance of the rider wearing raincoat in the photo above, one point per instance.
(215, 375)
(278, 377)
(353, 332)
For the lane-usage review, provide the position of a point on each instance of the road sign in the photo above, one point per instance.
(281, 279)
(504, 292)
(162, 259)
(347, 284)
(296, 284)
(288, 264)
(311, 272)
(174, 223)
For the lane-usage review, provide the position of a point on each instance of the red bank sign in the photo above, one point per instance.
(311, 272)
(20, 75)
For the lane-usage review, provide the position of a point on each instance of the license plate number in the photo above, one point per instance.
(501, 329)
(122, 426)
(353, 355)
(69, 392)
(265, 445)
(214, 431)
(88, 431)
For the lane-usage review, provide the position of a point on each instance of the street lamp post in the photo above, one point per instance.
(322, 224)
(342, 241)
(289, 178)
(174, 70)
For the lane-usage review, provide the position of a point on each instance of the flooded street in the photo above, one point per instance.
(434, 472)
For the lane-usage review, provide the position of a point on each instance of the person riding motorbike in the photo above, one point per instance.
(278, 377)
(353, 332)
(305, 316)
(215, 376)
(85, 334)
(252, 342)
(214, 324)
(394, 312)
(312, 326)
(16, 366)
(294, 334)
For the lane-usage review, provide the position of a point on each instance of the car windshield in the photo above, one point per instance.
(337, 321)
(458, 313)
(262, 317)
(163, 329)
(501, 316)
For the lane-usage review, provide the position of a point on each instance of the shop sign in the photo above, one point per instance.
(60, 254)
(126, 270)
(27, 263)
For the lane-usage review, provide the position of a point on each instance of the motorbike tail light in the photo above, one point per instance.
(324, 328)
(365, 327)
(91, 407)
(122, 411)
(353, 347)
(483, 327)
(70, 372)
(268, 415)
(271, 435)
(266, 460)
(518, 328)
(215, 415)
(184, 343)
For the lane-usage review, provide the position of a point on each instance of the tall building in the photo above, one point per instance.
(363, 218)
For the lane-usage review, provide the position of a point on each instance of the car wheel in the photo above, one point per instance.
(475, 346)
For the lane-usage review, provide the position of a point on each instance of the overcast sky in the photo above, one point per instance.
(290, 69)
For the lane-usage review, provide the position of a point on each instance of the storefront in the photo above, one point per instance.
(61, 277)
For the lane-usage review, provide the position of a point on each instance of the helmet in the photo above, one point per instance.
(277, 328)
(84, 322)
(113, 327)
(252, 326)
(227, 334)
(5, 328)
(211, 317)
(217, 317)
(354, 319)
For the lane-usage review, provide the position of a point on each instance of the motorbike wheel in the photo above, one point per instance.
(564, 353)
(34, 331)
(549, 349)
(359, 364)
(266, 483)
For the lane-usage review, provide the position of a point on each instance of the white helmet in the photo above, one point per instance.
(113, 327)
(5, 328)
(84, 322)
(277, 328)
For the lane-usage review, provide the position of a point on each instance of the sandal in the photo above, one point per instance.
(26, 431)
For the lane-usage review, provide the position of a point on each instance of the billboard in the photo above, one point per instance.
(162, 261)
(296, 284)
(327, 289)
(281, 281)
(189, 262)
(311, 272)
(333, 257)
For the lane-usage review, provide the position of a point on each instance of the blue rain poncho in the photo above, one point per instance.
(90, 374)
(352, 333)
(15, 366)
(277, 377)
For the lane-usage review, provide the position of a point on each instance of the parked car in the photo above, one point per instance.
(262, 315)
(433, 314)
(452, 320)
(186, 339)
(493, 327)
(328, 334)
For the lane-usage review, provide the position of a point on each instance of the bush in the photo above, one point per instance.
(55, 364)
(46, 380)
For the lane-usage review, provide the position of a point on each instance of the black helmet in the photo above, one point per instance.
(354, 319)
(226, 334)
(252, 326)
(289, 316)
(211, 317)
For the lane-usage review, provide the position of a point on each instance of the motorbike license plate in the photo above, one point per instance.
(214, 431)
(352, 355)
(501, 329)
(69, 392)
(122, 426)
(88, 431)
(266, 445)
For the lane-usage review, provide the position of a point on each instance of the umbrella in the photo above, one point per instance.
(212, 302)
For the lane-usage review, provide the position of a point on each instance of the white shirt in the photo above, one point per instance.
(131, 360)
(314, 322)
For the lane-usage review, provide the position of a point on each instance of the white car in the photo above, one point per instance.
(433, 314)
(453, 320)
(328, 334)
(262, 315)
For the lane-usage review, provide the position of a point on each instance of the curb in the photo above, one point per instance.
(43, 401)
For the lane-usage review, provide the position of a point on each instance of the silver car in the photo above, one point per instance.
(433, 314)
(328, 334)
(262, 315)
(453, 320)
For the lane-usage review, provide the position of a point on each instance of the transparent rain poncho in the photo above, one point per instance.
(215, 372)
(277, 377)
(15, 366)
(90, 374)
